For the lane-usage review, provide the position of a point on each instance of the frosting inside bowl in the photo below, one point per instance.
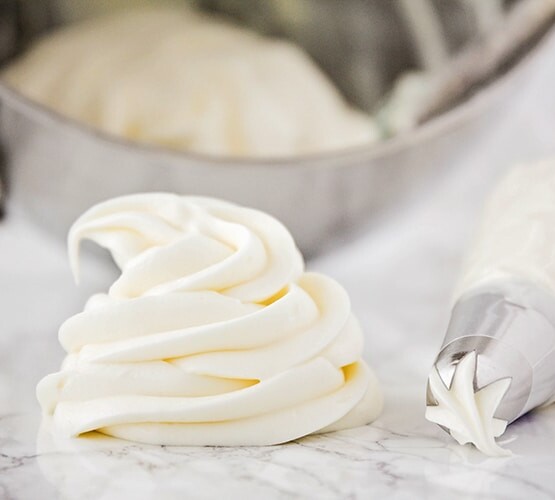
(187, 81)
(212, 335)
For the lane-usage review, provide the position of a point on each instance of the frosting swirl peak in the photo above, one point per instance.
(212, 335)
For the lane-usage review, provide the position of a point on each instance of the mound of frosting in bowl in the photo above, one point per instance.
(213, 334)
(188, 81)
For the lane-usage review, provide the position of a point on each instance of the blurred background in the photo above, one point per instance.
(323, 113)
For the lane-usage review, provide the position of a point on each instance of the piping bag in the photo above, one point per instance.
(497, 360)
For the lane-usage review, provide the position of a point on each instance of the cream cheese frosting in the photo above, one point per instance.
(516, 238)
(514, 246)
(212, 335)
(467, 413)
(174, 77)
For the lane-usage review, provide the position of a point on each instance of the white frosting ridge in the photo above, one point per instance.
(466, 413)
(212, 335)
(179, 79)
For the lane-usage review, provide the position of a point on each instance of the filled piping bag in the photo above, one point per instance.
(497, 361)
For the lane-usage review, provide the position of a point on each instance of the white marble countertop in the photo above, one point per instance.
(399, 274)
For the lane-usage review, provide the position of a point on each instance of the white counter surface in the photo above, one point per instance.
(399, 273)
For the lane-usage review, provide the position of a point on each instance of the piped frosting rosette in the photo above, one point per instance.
(212, 335)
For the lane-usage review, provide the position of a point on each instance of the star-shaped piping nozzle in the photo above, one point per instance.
(465, 411)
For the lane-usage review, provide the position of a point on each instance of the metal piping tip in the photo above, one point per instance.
(504, 335)
(494, 360)
(465, 412)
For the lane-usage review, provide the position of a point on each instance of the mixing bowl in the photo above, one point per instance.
(57, 168)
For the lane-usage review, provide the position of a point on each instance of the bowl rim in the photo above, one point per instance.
(454, 117)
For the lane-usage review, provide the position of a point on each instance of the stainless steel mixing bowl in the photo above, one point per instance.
(57, 168)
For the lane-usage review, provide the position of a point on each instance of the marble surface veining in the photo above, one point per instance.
(369, 462)
(399, 273)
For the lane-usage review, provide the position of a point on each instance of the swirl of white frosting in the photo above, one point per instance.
(212, 334)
